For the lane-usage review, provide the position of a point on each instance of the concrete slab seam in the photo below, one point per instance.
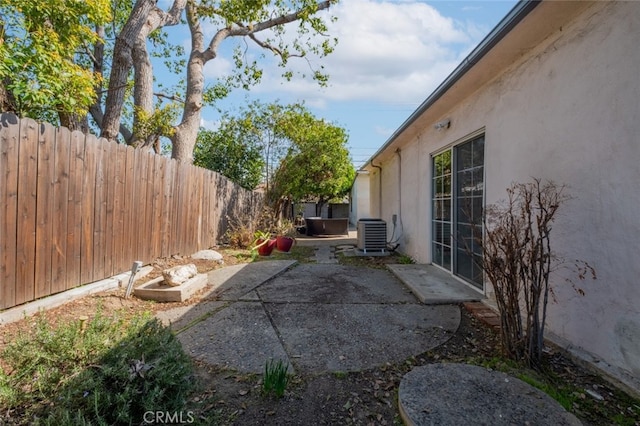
(271, 278)
(201, 318)
(278, 334)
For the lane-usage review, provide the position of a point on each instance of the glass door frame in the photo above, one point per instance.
(441, 243)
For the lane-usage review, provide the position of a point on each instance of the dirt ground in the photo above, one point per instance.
(369, 397)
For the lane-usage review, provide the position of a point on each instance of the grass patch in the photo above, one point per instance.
(340, 375)
(564, 394)
(403, 259)
(105, 370)
(275, 378)
(378, 262)
(302, 254)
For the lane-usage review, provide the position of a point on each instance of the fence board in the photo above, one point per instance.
(60, 208)
(158, 190)
(75, 209)
(141, 199)
(110, 158)
(167, 212)
(206, 197)
(188, 203)
(118, 242)
(100, 210)
(9, 140)
(200, 202)
(128, 208)
(137, 215)
(26, 251)
(187, 221)
(177, 231)
(44, 207)
(196, 202)
(147, 242)
(88, 210)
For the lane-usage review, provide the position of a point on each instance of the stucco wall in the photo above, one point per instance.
(567, 112)
(360, 199)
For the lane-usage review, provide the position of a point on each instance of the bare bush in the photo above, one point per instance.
(242, 228)
(517, 260)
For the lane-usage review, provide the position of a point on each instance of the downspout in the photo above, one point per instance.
(379, 189)
(397, 218)
(399, 184)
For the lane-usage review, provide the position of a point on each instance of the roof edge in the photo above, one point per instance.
(511, 19)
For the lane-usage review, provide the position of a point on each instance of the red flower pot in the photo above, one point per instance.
(284, 243)
(265, 248)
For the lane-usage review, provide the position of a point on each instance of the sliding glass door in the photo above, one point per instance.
(441, 199)
(457, 203)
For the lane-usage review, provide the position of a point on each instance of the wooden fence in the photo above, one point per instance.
(76, 209)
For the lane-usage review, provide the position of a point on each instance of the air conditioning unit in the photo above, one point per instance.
(372, 236)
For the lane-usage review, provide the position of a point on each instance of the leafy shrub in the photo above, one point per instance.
(110, 370)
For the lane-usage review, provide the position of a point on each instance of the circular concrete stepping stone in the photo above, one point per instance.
(461, 394)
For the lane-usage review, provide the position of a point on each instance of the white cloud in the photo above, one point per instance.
(209, 124)
(386, 52)
(217, 68)
(383, 131)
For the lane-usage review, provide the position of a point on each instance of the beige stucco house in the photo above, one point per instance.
(359, 203)
(553, 93)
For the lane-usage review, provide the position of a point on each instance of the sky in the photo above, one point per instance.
(391, 55)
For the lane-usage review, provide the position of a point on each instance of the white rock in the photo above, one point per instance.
(594, 394)
(179, 274)
(207, 255)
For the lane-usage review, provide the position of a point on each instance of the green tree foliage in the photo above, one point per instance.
(231, 150)
(54, 54)
(296, 155)
(317, 165)
(41, 45)
(261, 126)
(265, 123)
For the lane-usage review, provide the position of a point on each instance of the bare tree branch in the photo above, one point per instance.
(174, 98)
(241, 30)
(269, 46)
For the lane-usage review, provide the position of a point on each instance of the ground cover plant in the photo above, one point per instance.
(107, 369)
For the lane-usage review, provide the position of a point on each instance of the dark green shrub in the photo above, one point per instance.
(110, 372)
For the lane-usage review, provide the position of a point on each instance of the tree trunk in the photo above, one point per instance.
(7, 102)
(184, 139)
(122, 62)
(74, 121)
(142, 90)
(143, 69)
